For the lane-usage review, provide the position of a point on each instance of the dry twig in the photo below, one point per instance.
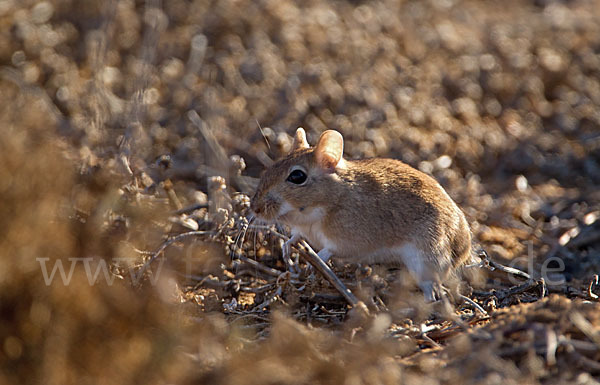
(169, 242)
(312, 258)
(491, 265)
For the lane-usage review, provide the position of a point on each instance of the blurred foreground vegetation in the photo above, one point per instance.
(115, 114)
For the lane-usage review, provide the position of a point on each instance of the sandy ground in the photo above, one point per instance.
(126, 124)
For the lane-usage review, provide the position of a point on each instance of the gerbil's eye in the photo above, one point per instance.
(297, 177)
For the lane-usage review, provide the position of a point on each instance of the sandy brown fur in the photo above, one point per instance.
(370, 208)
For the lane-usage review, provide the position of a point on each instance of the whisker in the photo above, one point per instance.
(263, 134)
(241, 237)
(242, 230)
(234, 247)
(255, 236)
(276, 232)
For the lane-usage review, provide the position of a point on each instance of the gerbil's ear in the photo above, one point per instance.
(330, 149)
(300, 141)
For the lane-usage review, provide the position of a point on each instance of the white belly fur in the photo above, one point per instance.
(407, 255)
(307, 224)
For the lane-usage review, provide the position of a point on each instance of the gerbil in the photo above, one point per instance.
(368, 211)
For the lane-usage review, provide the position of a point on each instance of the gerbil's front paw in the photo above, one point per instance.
(287, 253)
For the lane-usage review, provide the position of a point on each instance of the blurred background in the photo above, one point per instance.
(113, 114)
